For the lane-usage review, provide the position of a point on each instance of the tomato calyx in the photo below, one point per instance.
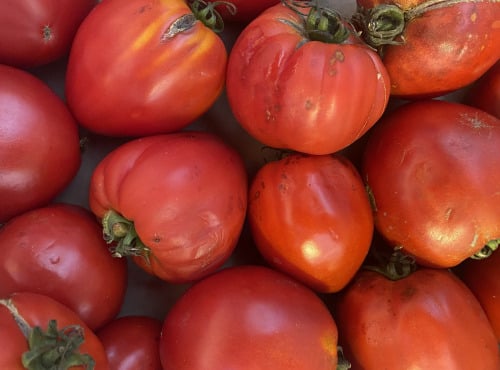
(320, 23)
(53, 348)
(398, 266)
(342, 362)
(487, 250)
(205, 12)
(121, 231)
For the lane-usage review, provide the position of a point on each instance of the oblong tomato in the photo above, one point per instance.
(292, 91)
(58, 250)
(39, 143)
(485, 92)
(249, 318)
(140, 67)
(432, 170)
(310, 216)
(58, 336)
(176, 202)
(37, 32)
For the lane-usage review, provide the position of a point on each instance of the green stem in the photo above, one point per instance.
(398, 267)
(487, 250)
(342, 362)
(205, 12)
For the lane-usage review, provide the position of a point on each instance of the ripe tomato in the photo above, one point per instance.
(295, 87)
(483, 279)
(37, 32)
(58, 250)
(38, 332)
(310, 216)
(426, 320)
(249, 317)
(175, 202)
(431, 47)
(142, 67)
(432, 170)
(132, 342)
(485, 92)
(39, 143)
(242, 10)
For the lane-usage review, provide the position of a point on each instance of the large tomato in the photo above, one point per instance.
(37, 32)
(241, 10)
(431, 47)
(293, 85)
(485, 92)
(249, 318)
(38, 332)
(58, 250)
(428, 319)
(176, 202)
(39, 143)
(310, 216)
(432, 170)
(142, 67)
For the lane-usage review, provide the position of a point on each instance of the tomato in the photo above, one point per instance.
(39, 143)
(175, 202)
(310, 216)
(139, 67)
(485, 92)
(132, 342)
(58, 250)
(58, 338)
(426, 320)
(432, 170)
(241, 10)
(482, 276)
(431, 47)
(37, 32)
(294, 87)
(248, 317)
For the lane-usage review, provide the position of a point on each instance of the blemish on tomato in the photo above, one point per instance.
(473, 17)
(47, 33)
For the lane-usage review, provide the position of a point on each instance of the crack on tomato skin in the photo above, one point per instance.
(181, 24)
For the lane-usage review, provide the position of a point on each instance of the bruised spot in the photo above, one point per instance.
(473, 17)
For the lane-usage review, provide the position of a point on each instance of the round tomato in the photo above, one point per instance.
(58, 250)
(431, 47)
(431, 167)
(485, 92)
(241, 10)
(132, 342)
(39, 143)
(37, 32)
(38, 332)
(482, 276)
(140, 67)
(249, 317)
(310, 216)
(427, 319)
(175, 202)
(293, 85)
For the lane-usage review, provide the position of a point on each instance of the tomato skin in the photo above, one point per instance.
(428, 320)
(485, 92)
(483, 279)
(245, 10)
(39, 143)
(131, 342)
(249, 317)
(310, 216)
(431, 62)
(50, 250)
(190, 214)
(150, 86)
(23, 24)
(38, 310)
(317, 98)
(432, 169)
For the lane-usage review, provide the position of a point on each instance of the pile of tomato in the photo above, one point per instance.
(206, 185)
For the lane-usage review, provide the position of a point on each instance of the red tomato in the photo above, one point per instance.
(139, 67)
(252, 318)
(432, 170)
(310, 216)
(291, 91)
(176, 202)
(242, 10)
(483, 279)
(58, 250)
(132, 342)
(57, 335)
(427, 320)
(37, 32)
(485, 92)
(431, 47)
(39, 143)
